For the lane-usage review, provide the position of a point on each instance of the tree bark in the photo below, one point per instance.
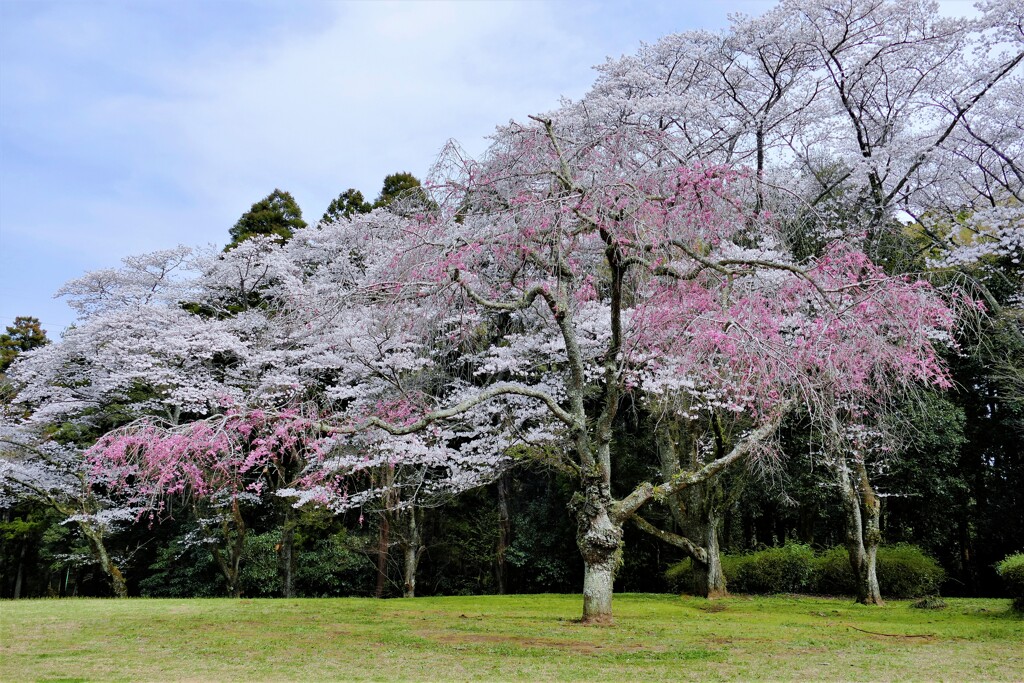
(504, 535)
(872, 514)
(21, 571)
(710, 575)
(862, 555)
(696, 512)
(383, 543)
(599, 540)
(108, 566)
(286, 557)
(412, 547)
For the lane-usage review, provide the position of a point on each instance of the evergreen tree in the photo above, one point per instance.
(25, 334)
(347, 203)
(276, 215)
(404, 194)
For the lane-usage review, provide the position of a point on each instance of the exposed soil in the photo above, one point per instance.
(533, 642)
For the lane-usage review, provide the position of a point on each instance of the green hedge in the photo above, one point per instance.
(832, 573)
(904, 571)
(1011, 571)
(786, 569)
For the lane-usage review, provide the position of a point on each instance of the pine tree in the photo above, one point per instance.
(276, 215)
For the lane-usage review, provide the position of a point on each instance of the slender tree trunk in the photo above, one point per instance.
(967, 556)
(412, 548)
(99, 548)
(504, 534)
(21, 571)
(759, 202)
(807, 515)
(383, 542)
(286, 557)
(599, 540)
(872, 514)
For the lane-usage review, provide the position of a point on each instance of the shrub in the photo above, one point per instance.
(786, 569)
(832, 573)
(329, 567)
(1011, 571)
(680, 575)
(904, 571)
(258, 575)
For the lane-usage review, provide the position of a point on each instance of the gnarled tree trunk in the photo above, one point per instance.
(861, 539)
(599, 539)
(696, 511)
(871, 513)
(710, 576)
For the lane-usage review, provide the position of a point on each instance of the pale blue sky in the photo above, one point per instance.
(137, 125)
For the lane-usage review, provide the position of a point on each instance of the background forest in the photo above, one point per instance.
(875, 124)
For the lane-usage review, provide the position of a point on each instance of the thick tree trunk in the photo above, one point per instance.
(383, 543)
(504, 535)
(599, 540)
(710, 573)
(598, 584)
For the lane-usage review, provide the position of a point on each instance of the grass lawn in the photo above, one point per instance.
(534, 637)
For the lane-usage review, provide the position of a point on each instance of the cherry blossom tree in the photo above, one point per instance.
(36, 467)
(572, 269)
(615, 273)
(852, 114)
(217, 465)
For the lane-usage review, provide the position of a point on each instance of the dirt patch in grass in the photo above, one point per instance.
(894, 637)
(713, 607)
(729, 640)
(535, 642)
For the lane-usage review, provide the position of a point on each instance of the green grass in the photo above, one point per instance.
(655, 637)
